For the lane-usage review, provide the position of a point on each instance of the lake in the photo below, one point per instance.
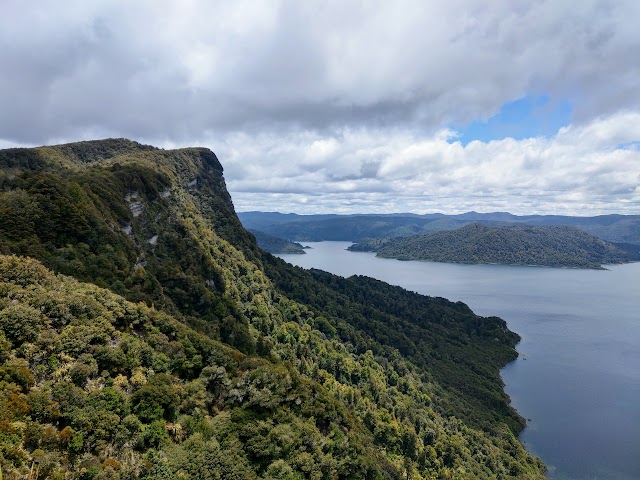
(577, 379)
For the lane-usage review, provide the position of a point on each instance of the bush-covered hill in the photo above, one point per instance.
(190, 353)
(272, 244)
(551, 246)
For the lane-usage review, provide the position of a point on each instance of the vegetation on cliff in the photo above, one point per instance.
(152, 338)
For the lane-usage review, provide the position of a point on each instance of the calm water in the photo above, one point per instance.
(578, 376)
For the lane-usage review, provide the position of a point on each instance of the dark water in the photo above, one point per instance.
(578, 375)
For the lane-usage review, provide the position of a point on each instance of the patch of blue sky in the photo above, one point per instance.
(635, 145)
(530, 116)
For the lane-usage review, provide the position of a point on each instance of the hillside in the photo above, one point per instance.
(316, 228)
(272, 244)
(551, 246)
(623, 229)
(149, 337)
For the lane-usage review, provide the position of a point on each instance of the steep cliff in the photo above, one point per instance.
(179, 349)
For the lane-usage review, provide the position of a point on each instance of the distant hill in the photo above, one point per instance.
(317, 228)
(258, 220)
(272, 244)
(551, 246)
(355, 228)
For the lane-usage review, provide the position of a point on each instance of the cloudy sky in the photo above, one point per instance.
(347, 106)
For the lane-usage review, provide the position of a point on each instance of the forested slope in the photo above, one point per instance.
(190, 353)
(272, 244)
(551, 246)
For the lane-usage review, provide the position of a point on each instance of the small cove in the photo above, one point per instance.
(578, 375)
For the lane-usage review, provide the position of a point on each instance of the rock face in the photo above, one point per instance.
(135, 203)
(152, 338)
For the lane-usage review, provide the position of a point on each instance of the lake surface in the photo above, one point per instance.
(578, 376)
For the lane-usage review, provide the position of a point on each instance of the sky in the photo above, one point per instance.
(349, 106)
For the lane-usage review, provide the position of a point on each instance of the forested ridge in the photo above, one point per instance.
(550, 246)
(149, 337)
(272, 244)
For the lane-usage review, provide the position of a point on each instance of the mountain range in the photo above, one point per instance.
(619, 229)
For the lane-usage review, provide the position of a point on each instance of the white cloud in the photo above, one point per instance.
(340, 104)
(582, 170)
(179, 69)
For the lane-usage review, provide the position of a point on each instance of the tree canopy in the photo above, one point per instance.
(143, 334)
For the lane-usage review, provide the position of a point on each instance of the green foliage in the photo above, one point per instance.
(438, 336)
(272, 244)
(356, 379)
(156, 400)
(20, 323)
(552, 246)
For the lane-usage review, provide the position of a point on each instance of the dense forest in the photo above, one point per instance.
(550, 246)
(619, 229)
(144, 335)
(272, 244)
